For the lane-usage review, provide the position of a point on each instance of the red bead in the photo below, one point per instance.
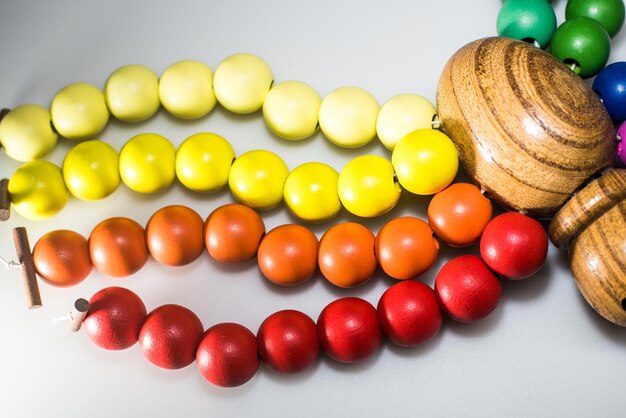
(348, 330)
(114, 318)
(170, 335)
(118, 247)
(287, 341)
(466, 289)
(409, 314)
(514, 245)
(62, 258)
(227, 355)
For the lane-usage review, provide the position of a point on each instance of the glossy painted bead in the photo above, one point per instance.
(425, 161)
(405, 248)
(132, 93)
(287, 341)
(346, 254)
(174, 235)
(621, 148)
(79, 111)
(348, 330)
(287, 255)
(610, 85)
(117, 247)
(61, 258)
(241, 83)
(401, 115)
(26, 133)
(514, 246)
(147, 163)
(114, 318)
(90, 170)
(232, 233)
(348, 117)
(609, 13)
(408, 313)
(170, 335)
(291, 110)
(311, 193)
(367, 186)
(227, 355)
(527, 20)
(466, 289)
(186, 89)
(203, 162)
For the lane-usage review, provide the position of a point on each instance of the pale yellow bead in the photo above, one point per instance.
(311, 192)
(291, 110)
(186, 89)
(132, 93)
(348, 117)
(403, 114)
(79, 111)
(241, 83)
(26, 133)
(203, 162)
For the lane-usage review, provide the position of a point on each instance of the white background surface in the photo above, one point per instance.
(543, 352)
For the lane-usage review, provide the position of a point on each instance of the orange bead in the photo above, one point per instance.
(459, 213)
(288, 255)
(406, 248)
(62, 258)
(118, 247)
(232, 233)
(174, 235)
(346, 254)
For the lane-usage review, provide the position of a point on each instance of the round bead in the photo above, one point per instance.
(114, 318)
(367, 186)
(174, 235)
(169, 336)
(79, 111)
(609, 13)
(621, 149)
(227, 355)
(348, 330)
(203, 162)
(514, 246)
(26, 133)
(257, 178)
(241, 83)
(527, 20)
(37, 190)
(147, 163)
(90, 170)
(348, 117)
(232, 233)
(401, 115)
(117, 247)
(466, 290)
(311, 192)
(346, 255)
(459, 214)
(425, 161)
(408, 313)
(61, 258)
(610, 85)
(186, 89)
(405, 248)
(290, 110)
(287, 341)
(132, 93)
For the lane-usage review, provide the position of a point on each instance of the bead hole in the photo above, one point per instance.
(624, 304)
(532, 41)
(572, 64)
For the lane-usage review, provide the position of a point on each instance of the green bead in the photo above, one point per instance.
(584, 42)
(609, 13)
(528, 20)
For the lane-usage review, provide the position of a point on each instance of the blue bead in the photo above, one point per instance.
(610, 85)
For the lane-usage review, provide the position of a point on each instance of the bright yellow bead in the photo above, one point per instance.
(37, 190)
(241, 83)
(403, 114)
(257, 178)
(367, 186)
(79, 111)
(90, 170)
(311, 192)
(132, 93)
(186, 89)
(147, 163)
(425, 161)
(203, 162)
(291, 109)
(26, 133)
(348, 117)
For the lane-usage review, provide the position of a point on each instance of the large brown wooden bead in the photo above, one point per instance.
(528, 130)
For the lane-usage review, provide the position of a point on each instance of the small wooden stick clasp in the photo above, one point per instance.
(27, 271)
(5, 200)
(81, 306)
